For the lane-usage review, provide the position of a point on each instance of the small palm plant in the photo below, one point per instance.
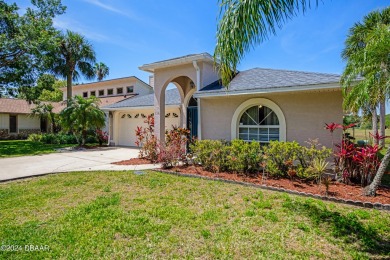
(81, 115)
(326, 181)
(318, 168)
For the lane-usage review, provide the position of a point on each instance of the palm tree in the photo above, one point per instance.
(363, 96)
(45, 111)
(101, 70)
(367, 53)
(81, 115)
(244, 24)
(366, 58)
(73, 56)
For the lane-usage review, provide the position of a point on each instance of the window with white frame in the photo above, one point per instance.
(259, 123)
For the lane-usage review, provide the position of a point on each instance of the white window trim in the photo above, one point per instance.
(255, 102)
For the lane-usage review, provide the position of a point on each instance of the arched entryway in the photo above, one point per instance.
(189, 73)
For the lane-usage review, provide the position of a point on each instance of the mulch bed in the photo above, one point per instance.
(338, 190)
(133, 161)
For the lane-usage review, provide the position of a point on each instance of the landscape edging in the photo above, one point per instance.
(357, 203)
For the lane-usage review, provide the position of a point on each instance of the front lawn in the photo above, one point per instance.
(24, 147)
(117, 215)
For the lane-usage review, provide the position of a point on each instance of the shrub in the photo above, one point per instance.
(50, 139)
(58, 139)
(67, 139)
(147, 141)
(101, 136)
(34, 137)
(355, 163)
(244, 157)
(290, 158)
(280, 156)
(174, 148)
(211, 154)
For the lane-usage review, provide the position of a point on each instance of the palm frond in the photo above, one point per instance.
(245, 23)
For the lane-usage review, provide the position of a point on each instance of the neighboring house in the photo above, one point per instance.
(260, 104)
(16, 119)
(111, 91)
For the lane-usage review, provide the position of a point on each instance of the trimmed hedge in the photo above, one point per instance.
(278, 158)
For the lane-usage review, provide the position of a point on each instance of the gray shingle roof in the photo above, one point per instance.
(172, 97)
(258, 79)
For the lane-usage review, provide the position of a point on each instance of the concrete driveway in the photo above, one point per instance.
(84, 160)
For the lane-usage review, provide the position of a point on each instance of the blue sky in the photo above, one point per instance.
(129, 33)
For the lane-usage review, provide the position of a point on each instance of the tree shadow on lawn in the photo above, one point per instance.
(23, 147)
(347, 227)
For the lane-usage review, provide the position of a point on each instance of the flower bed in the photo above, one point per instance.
(338, 190)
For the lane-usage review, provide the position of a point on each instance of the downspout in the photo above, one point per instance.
(195, 64)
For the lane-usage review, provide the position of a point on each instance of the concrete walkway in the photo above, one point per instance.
(84, 160)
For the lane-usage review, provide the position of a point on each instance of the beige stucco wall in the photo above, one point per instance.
(24, 122)
(28, 122)
(140, 87)
(4, 121)
(306, 114)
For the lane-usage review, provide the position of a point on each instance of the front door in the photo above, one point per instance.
(192, 121)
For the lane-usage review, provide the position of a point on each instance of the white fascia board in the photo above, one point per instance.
(174, 62)
(266, 91)
(135, 108)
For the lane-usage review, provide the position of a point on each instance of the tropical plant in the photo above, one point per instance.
(244, 24)
(81, 115)
(367, 55)
(101, 70)
(45, 111)
(147, 140)
(173, 150)
(102, 136)
(327, 181)
(357, 164)
(318, 168)
(72, 57)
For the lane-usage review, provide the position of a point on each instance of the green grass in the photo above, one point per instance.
(118, 215)
(23, 148)
(364, 134)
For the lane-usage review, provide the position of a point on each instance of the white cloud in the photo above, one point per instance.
(73, 25)
(111, 8)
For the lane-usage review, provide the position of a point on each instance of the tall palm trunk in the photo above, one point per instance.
(69, 87)
(370, 190)
(382, 121)
(374, 116)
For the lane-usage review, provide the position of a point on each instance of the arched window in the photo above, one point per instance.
(259, 123)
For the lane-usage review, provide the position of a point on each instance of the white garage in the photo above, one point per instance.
(129, 113)
(130, 120)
